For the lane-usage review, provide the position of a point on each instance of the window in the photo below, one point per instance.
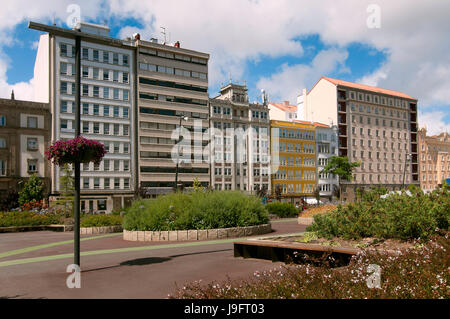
(2, 143)
(85, 127)
(32, 165)
(85, 90)
(85, 182)
(126, 148)
(105, 75)
(126, 130)
(63, 106)
(95, 55)
(125, 95)
(116, 165)
(95, 73)
(116, 111)
(106, 128)
(96, 91)
(105, 110)
(105, 57)
(126, 165)
(63, 49)
(115, 58)
(116, 183)
(125, 77)
(116, 150)
(116, 94)
(32, 143)
(106, 93)
(63, 88)
(96, 183)
(32, 122)
(63, 68)
(63, 124)
(96, 127)
(125, 59)
(96, 109)
(125, 112)
(106, 165)
(2, 120)
(2, 168)
(85, 53)
(85, 108)
(116, 76)
(85, 72)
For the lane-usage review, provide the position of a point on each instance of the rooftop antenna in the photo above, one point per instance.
(54, 20)
(164, 33)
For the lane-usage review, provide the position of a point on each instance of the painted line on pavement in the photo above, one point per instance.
(111, 251)
(33, 248)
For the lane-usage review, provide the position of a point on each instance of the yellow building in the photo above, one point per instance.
(293, 154)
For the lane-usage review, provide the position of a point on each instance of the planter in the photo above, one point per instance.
(196, 234)
(100, 230)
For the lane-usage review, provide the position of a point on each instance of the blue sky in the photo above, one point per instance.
(281, 46)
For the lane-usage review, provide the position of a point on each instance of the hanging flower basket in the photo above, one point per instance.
(78, 149)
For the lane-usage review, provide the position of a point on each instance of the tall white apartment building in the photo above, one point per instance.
(377, 127)
(240, 141)
(107, 108)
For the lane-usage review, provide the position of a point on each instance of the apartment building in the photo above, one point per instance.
(326, 147)
(282, 111)
(239, 141)
(293, 160)
(172, 117)
(107, 107)
(377, 127)
(25, 129)
(434, 159)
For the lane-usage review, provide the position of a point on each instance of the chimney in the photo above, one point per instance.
(12, 95)
(137, 36)
(177, 44)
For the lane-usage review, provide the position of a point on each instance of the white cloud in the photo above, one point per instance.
(433, 122)
(289, 82)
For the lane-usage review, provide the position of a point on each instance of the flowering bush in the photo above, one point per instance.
(34, 205)
(78, 149)
(415, 273)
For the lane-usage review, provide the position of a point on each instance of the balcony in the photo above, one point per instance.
(342, 142)
(342, 119)
(342, 95)
(342, 107)
(413, 117)
(413, 107)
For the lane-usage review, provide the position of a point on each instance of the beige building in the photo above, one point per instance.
(282, 111)
(239, 141)
(434, 159)
(25, 129)
(377, 127)
(172, 90)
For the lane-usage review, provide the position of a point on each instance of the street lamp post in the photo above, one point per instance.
(178, 151)
(404, 168)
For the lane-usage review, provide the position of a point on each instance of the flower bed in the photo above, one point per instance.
(78, 149)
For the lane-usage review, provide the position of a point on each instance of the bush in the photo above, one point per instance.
(397, 216)
(101, 220)
(197, 210)
(421, 272)
(282, 209)
(27, 219)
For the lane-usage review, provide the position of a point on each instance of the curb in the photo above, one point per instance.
(100, 230)
(196, 234)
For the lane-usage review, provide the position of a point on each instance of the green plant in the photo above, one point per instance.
(196, 210)
(398, 216)
(197, 185)
(101, 220)
(27, 219)
(67, 191)
(282, 209)
(9, 200)
(33, 190)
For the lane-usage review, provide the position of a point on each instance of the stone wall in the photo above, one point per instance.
(200, 234)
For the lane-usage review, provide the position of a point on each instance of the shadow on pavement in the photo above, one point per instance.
(153, 260)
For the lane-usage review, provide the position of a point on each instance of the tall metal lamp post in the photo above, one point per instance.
(178, 151)
(408, 155)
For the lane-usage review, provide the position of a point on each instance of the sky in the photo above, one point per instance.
(281, 46)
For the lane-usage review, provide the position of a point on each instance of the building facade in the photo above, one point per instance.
(293, 160)
(282, 111)
(239, 141)
(172, 117)
(326, 147)
(434, 159)
(376, 127)
(107, 108)
(25, 130)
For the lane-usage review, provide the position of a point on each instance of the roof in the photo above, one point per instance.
(312, 123)
(285, 106)
(364, 87)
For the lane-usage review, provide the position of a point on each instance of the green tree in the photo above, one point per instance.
(67, 187)
(33, 190)
(342, 167)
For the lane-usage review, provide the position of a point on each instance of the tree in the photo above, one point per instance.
(197, 185)
(67, 186)
(342, 167)
(33, 190)
(278, 192)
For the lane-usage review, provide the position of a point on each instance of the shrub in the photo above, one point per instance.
(282, 209)
(27, 219)
(197, 210)
(9, 200)
(101, 220)
(421, 272)
(397, 216)
(33, 190)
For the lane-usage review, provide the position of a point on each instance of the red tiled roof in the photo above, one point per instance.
(364, 87)
(284, 106)
(313, 123)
